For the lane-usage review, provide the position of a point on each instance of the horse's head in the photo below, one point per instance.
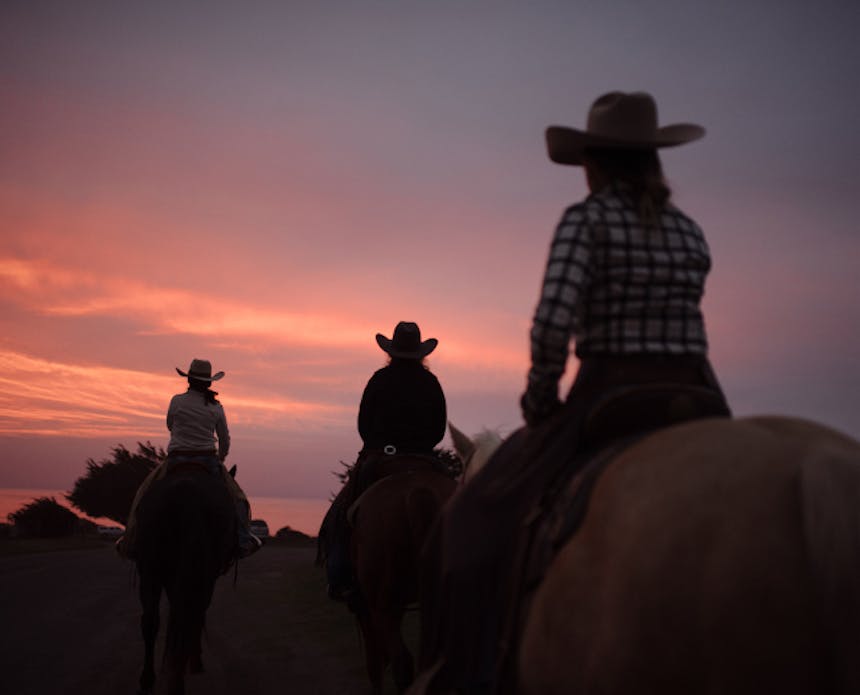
(474, 452)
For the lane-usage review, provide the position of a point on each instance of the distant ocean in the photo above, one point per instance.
(303, 515)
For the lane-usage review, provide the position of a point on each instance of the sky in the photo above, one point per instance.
(269, 184)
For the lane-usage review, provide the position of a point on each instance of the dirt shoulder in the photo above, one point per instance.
(70, 620)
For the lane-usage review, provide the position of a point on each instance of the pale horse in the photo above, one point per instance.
(716, 556)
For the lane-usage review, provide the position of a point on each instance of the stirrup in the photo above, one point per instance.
(250, 547)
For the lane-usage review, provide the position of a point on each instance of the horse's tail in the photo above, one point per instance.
(830, 498)
(190, 589)
(325, 535)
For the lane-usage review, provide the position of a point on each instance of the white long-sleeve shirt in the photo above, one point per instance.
(197, 425)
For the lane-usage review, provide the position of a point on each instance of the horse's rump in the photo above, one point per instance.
(186, 509)
(391, 520)
(367, 472)
(716, 556)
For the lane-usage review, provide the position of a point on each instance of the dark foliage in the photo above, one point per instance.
(452, 463)
(108, 487)
(44, 517)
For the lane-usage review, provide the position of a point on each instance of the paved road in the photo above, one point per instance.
(70, 625)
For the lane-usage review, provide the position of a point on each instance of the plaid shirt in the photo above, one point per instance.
(618, 286)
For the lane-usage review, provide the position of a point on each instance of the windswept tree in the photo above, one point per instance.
(108, 487)
(44, 517)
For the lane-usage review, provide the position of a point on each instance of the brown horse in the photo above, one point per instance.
(718, 556)
(391, 521)
(186, 538)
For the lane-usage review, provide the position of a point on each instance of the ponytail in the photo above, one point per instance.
(203, 387)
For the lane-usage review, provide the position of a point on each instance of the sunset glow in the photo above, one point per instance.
(270, 189)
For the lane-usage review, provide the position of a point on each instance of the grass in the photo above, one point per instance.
(30, 546)
(275, 625)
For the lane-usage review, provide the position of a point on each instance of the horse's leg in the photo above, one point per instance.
(176, 646)
(374, 647)
(195, 651)
(195, 657)
(402, 664)
(150, 596)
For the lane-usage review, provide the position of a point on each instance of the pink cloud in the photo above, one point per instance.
(51, 289)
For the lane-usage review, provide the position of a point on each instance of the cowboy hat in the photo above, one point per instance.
(406, 342)
(618, 120)
(201, 369)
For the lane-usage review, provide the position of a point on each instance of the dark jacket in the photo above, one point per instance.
(402, 405)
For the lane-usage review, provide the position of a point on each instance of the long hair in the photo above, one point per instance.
(407, 361)
(204, 388)
(641, 171)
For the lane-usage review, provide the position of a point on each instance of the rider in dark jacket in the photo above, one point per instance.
(402, 412)
(403, 405)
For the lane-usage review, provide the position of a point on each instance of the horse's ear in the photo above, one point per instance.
(464, 446)
(232, 471)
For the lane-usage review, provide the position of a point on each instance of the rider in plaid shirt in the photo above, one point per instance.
(626, 269)
(625, 277)
(621, 286)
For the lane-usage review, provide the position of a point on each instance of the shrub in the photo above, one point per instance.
(44, 517)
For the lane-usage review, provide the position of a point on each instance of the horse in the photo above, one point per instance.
(474, 451)
(187, 538)
(715, 556)
(390, 523)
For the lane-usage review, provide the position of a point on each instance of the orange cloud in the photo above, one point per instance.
(44, 397)
(54, 290)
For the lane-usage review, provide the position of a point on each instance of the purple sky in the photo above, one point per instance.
(268, 184)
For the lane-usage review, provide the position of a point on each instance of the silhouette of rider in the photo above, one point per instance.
(198, 435)
(402, 411)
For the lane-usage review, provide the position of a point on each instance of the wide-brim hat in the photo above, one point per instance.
(406, 342)
(201, 369)
(618, 120)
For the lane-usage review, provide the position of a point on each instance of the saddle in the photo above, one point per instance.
(379, 464)
(643, 408)
(184, 466)
(616, 421)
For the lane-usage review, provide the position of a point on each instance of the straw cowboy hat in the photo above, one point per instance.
(201, 369)
(407, 342)
(618, 120)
